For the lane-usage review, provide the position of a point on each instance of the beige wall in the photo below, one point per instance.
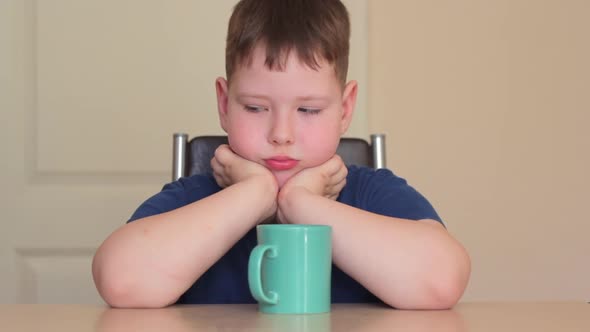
(486, 105)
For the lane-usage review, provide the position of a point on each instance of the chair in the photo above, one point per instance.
(194, 156)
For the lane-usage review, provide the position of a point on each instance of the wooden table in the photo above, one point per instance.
(497, 317)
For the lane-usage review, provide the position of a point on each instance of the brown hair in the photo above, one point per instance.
(313, 28)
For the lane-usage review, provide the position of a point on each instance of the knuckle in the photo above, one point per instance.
(221, 151)
(217, 153)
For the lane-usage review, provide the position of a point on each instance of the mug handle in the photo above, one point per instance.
(254, 275)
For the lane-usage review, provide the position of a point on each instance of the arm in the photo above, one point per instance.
(152, 261)
(407, 264)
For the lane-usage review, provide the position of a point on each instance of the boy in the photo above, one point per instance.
(284, 106)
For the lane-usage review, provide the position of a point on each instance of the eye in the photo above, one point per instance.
(309, 110)
(254, 108)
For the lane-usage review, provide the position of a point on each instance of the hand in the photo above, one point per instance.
(326, 180)
(229, 168)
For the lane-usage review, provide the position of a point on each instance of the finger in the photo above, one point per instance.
(336, 189)
(224, 154)
(337, 185)
(215, 165)
(219, 179)
(219, 173)
(341, 174)
(337, 176)
(340, 185)
(334, 165)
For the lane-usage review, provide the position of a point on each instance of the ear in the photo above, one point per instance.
(221, 89)
(348, 103)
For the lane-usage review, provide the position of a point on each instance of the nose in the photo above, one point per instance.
(282, 129)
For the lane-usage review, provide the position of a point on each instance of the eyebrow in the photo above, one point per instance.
(312, 97)
(250, 95)
(240, 95)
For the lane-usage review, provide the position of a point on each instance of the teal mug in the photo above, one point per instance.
(290, 270)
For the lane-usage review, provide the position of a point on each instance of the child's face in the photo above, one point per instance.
(284, 120)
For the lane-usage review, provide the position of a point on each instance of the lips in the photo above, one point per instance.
(281, 163)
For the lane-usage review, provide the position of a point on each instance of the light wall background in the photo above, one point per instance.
(485, 105)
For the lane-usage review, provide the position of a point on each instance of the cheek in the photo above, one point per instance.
(242, 141)
(320, 153)
(321, 144)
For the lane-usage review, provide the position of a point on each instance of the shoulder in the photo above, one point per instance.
(381, 191)
(189, 189)
(361, 175)
(177, 194)
(193, 185)
(362, 181)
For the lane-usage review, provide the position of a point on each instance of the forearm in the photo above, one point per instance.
(407, 264)
(152, 261)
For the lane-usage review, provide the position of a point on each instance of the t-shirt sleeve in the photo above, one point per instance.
(390, 195)
(175, 195)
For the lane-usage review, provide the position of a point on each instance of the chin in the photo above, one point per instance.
(281, 181)
(282, 177)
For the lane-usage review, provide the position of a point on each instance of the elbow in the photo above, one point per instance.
(446, 287)
(439, 290)
(119, 290)
(443, 297)
(121, 294)
(115, 294)
(110, 288)
(445, 290)
(431, 296)
(121, 298)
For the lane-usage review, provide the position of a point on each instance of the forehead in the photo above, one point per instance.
(291, 71)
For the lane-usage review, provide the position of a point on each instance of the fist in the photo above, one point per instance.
(229, 168)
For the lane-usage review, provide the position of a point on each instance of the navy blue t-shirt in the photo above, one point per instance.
(377, 191)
